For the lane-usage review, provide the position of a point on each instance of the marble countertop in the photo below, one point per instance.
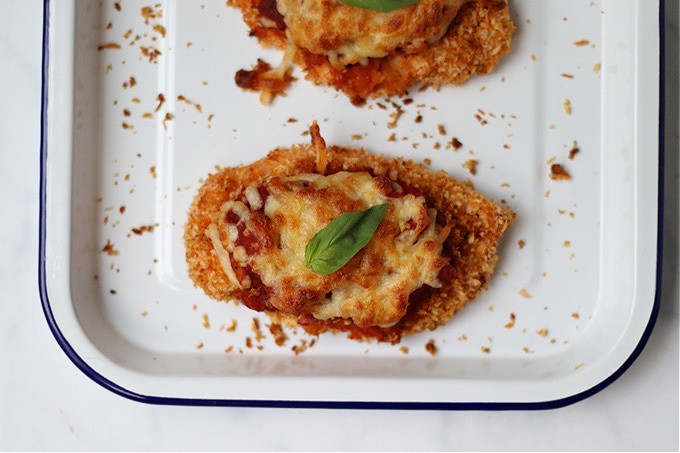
(46, 403)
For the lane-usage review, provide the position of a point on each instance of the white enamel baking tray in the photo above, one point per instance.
(138, 108)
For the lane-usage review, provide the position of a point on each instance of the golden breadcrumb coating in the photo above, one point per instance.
(476, 226)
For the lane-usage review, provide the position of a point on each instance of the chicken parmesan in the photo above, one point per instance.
(368, 54)
(432, 250)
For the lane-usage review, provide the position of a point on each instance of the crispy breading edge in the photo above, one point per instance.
(477, 227)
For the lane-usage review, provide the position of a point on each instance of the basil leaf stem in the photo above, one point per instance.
(334, 245)
(384, 6)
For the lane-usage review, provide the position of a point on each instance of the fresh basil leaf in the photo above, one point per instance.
(334, 245)
(384, 6)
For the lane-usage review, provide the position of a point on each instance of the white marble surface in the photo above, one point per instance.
(46, 403)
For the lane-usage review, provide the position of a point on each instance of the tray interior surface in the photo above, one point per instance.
(154, 109)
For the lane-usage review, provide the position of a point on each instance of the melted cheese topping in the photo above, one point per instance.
(373, 288)
(349, 35)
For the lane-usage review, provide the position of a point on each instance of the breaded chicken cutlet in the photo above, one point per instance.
(250, 230)
(368, 54)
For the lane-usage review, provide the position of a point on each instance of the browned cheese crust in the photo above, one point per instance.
(479, 35)
(477, 225)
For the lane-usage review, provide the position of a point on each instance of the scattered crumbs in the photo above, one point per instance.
(278, 333)
(471, 166)
(527, 350)
(149, 13)
(206, 321)
(356, 136)
(109, 45)
(533, 57)
(302, 346)
(143, 229)
(547, 193)
(200, 345)
(579, 366)
(151, 53)
(574, 150)
(456, 144)
(187, 101)
(228, 349)
(566, 244)
(403, 349)
(110, 249)
(159, 29)
(130, 83)
(161, 100)
(542, 332)
(575, 315)
(255, 327)
(566, 106)
(567, 76)
(582, 42)
(168, 117)
(113, 291)
(524, 293)
(559, 173)
(233, 326)
(430, 347)
(398, 111)
(486, 349)
(441, 129)
(521, 243)
(490, 308)
(597, 67)
(511, 323)
(152, 170)
(145, 313)
(480, 118)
